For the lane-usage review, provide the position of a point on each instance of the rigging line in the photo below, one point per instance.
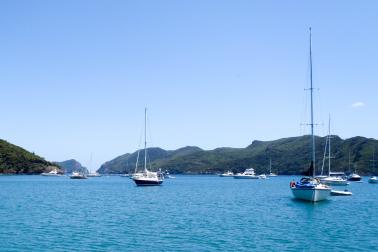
(324, 156)
(139, 148)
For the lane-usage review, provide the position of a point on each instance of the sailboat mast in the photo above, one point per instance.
(349, 161)
(312, 113)
(329, 145)
(270, 165)
(145, 140)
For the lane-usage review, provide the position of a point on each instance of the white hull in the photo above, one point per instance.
(311, 194)
(51, 175)
(93, 175)
(335, 182)
(272, 175)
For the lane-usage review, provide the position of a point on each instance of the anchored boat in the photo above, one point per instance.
(310, 188)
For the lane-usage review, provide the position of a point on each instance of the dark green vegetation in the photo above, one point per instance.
(72, 165)
(16, 160)
(289, 156)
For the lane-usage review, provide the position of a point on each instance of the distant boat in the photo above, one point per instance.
(53, 173)
(146, 178)
(227, 174)
(167, 175)
(94, 174)
(353, 176)
(262, 176)
(271, 174)
(77, 175)
(333, 178)
(310, 188)
(341, 193)
(247, 174)
(373, 180)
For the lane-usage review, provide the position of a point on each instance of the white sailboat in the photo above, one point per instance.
(92, 173)
(271, 174)
(333, 178)
(146, 178)
(310, 188)
(373, 179)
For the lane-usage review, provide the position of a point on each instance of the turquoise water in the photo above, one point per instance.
(189, 213)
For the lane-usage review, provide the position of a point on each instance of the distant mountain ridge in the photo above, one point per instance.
(16, 160)
(289, 156)
(72, 165)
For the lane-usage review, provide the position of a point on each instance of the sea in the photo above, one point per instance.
(188, 213)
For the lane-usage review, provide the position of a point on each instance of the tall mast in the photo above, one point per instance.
(312, 113)
(145, 140)
(270, 165)
(329, 145)
(349, 161)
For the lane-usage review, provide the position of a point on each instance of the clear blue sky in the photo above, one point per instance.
(76, 75)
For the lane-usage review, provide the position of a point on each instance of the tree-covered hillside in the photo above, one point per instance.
(16, 160)
(289, 156)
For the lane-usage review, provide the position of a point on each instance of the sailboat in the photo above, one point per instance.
(333, 178)
(310, 188)
(373, 179)
(92, 173)
(353, 176)
(271, 174)
(146, 178)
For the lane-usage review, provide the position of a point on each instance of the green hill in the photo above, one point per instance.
(16, 160)
(72, 165)
(289, 156)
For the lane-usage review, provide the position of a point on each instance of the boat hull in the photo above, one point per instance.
(147, 182)
(373, 181)
(335, 182)
(78, 177)
(354, 179)
(311, 194)
(51, 175)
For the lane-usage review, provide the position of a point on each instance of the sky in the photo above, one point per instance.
(76, 75)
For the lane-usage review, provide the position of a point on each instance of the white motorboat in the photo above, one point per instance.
(77, 175)
(227, 174)
(341, 193)
(354, 177)
(262, 176)
(247, 174)
(53, 173)
(373, 180)
(146, 178)
(310, 188)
